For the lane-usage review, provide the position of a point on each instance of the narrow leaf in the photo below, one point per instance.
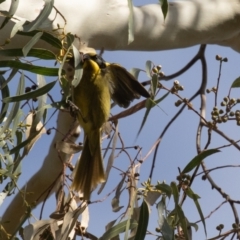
(164, 7)
(198, 159)
(142, 222)
(135, 72)
(161, 208)
(195, 198)
(31, 43)
(11, 12)
(175, 192)
(5, 93)
(130, 22)
(119, 228)
(15, 106)
(167, 231)
(183, 221)
(34, 52)
(148, 67)
(41, 18)
(47, 37)
(46, 71)
(33, 94)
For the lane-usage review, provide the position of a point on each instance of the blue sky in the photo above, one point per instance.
(178, 145)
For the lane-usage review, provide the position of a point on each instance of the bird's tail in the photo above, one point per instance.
(89, 171)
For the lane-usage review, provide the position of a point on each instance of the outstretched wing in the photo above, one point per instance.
(124, 87)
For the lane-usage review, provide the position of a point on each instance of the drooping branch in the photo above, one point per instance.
(105, 24)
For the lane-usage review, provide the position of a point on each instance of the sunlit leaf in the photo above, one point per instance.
(130, 22)
(148, 67)
(135, 72)
(41, 18)
(11, 12)
(31, 43)
(198, 159)
(69, 222)
(175, 192)
(15, 107)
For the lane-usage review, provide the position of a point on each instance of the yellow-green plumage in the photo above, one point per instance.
(92, 97)
(100, 82)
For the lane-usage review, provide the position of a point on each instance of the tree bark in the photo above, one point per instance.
(105, 24)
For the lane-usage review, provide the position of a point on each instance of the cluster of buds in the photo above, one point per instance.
(176, 87)
(219, 58)
(220, 227)
(157, 70)
(213, 89)
(29, 89)
(218, 116)
(184, 180)
(222, 116)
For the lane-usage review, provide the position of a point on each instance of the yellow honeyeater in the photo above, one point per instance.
(100, 82)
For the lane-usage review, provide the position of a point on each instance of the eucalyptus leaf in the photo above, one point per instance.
(130, 22)
(142, 222)
(198, 159)
(33, 94)
(46, 71)
(31, 43)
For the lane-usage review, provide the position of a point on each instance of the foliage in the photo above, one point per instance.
(24, 117)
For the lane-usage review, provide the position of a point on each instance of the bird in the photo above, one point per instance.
(100, 83)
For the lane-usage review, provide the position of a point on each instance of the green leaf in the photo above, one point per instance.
(135, 72)
(161, 209)
(31, 68)
(154, 84)
(33, 94)
(24, 143)
(16, 122)
(130, 22)
(195, 198)
(167, 231)
(164, 6)
(47, 37)
(175, 192)
(69, 221)
(119, 228)
(15, 106)
(41, 18)
(34, 52)
(198, 159)
(183, 221)
(142, 222)
(31, 43)
(164, 188)
(5, 93)
(11, 12)
(236, 83)
(148, 67)
(41, 102)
